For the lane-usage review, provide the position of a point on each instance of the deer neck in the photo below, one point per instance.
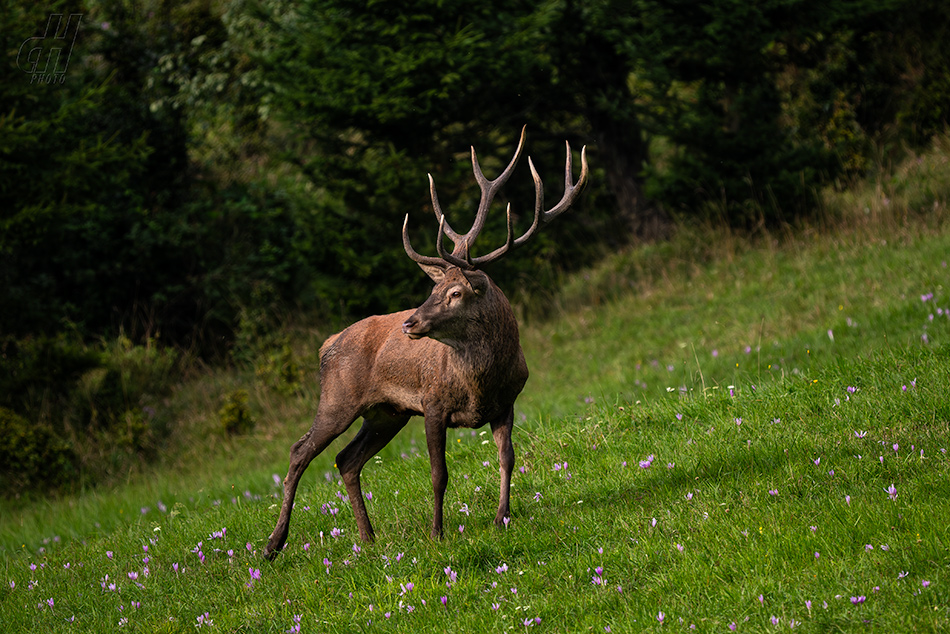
(491, 344)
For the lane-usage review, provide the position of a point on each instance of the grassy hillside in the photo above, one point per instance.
(762, 314)
(719, 433)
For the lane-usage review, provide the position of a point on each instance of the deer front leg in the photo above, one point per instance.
(435, 441)
(501, 431)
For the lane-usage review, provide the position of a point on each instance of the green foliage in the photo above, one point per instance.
(99, 405)
(38, 374)
(201, 161)
(60, 221)
(375, 99)
(77, 170)
(104, 221)
(278, 369)
(709, 76)
(750, 108)
(873, 83)
(235, 416)
(32, 456)
(896, 79)
(119, 398)
(916, 188)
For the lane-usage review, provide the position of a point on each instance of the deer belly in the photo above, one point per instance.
(403, 399)
(473, 419)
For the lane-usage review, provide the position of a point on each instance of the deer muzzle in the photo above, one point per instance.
(413, 329)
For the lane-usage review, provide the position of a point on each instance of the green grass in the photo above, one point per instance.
(720, 539)
(780, 390)
(762, 314)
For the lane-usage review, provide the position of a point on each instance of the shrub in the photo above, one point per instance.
(37, 374)
(235, 415)
(31, 455)
(89, 408)
(128, 379)
(278, 370)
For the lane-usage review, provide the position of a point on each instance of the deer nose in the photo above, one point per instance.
(407, 325)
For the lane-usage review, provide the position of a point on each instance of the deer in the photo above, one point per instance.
(456, 361)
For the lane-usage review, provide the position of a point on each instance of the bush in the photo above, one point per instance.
(37, 374)
(129, 379)
(95, 409)
(235, 415)
(32, 456)
(278, 370)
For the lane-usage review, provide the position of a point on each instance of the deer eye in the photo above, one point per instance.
(456, 294)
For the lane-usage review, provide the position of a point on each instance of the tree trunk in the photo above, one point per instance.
(621, 147)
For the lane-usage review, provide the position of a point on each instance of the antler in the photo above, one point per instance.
(460, 256)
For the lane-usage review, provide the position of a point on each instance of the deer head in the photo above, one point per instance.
(459, 284)
(453, 305)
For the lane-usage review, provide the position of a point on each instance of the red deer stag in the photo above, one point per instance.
(456, 360)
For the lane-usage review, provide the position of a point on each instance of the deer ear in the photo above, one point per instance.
(478, 280)
(433, 271)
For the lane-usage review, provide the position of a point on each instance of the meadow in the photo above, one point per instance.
(719, 434)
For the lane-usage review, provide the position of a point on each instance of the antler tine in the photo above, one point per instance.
(463, 262)
(413, 255)
(460, 255)
(440, 216)
(571, 192)
(538, 203)
(488, 188)
(500, 251)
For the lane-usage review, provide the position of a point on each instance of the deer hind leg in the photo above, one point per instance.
(326, 427)
(501, 431)
(379, 427)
